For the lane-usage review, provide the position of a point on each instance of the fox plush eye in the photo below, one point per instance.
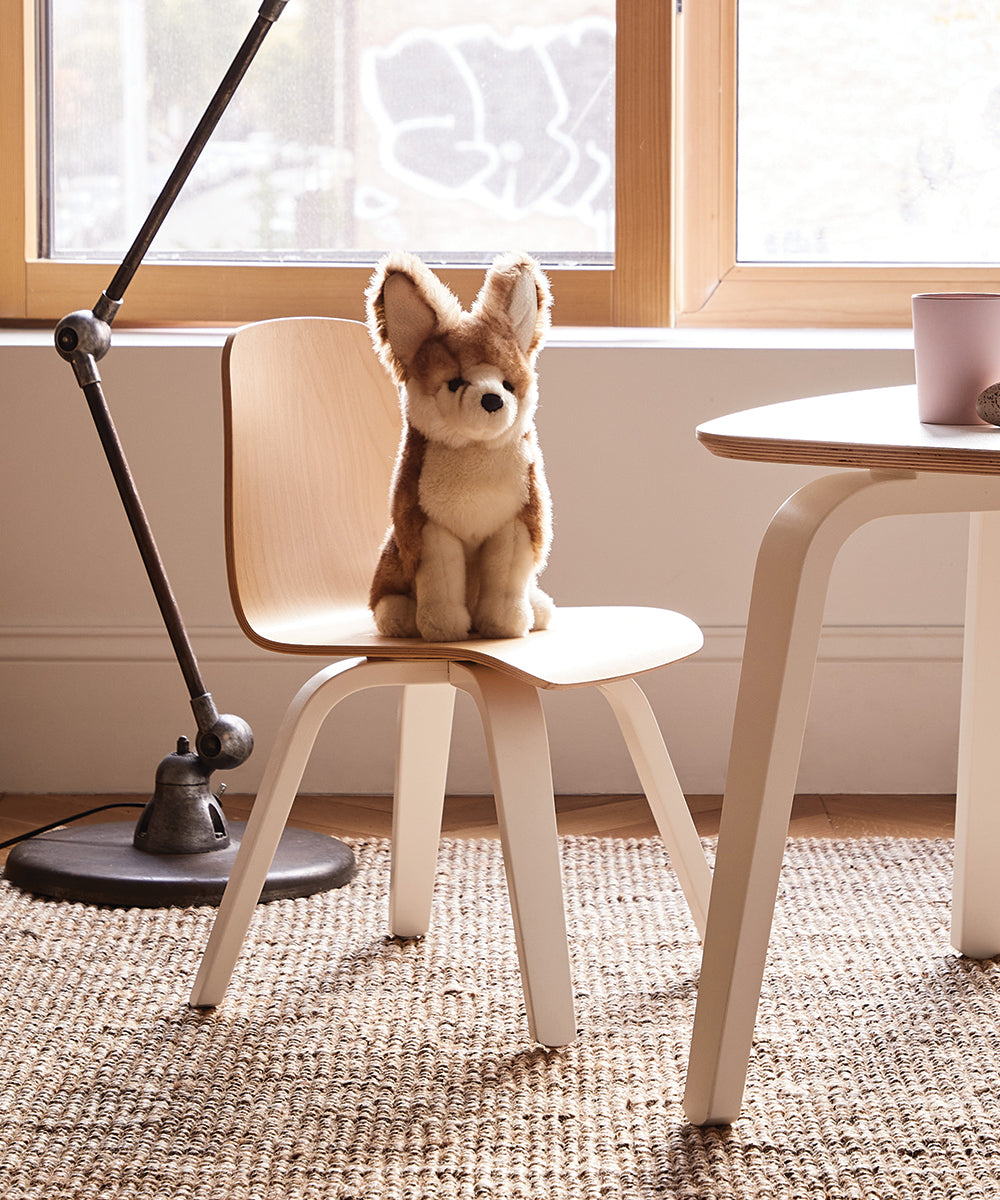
(456, 383)
(508, 386)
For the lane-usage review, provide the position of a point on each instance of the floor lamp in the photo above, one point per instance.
(182, 848)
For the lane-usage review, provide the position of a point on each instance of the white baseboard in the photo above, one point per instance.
(94, 708)
(723, 643)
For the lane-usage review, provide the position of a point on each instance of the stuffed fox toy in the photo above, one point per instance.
(469, 506)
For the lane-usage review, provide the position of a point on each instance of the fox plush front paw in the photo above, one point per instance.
(503, 619)
(396, 616)
(443, 622)
(543, 607)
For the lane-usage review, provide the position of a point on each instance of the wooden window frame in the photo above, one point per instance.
(636, 291)
(713, 288)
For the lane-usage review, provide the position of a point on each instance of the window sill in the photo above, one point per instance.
(561, 337)
(711, 338)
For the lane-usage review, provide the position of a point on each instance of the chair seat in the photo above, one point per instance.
(582, 647)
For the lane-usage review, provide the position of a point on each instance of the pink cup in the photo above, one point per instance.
(956, 343)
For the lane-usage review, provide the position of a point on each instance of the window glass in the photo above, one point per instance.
(868, 132)
(454, 129)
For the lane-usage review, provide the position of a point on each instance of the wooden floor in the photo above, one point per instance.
(474, 816)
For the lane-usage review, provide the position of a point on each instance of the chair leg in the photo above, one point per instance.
(663, 791)
(519, 755)
(282, 775)
(425, 718)
(975, 926)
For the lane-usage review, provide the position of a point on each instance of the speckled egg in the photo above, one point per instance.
(988, 404)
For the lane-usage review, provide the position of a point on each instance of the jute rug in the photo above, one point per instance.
(346, 1066)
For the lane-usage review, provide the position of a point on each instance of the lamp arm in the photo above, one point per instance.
(269, 12)
(223, 741)
(82, 338)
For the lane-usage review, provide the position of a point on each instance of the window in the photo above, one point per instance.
(835, 158)
(334, 149)
(457, 136)
(822, 160)
(879, 148)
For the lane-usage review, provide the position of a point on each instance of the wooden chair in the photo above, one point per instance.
(311, 430)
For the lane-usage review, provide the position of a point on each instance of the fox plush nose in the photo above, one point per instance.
(492, 402)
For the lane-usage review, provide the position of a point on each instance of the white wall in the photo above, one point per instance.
(91, 699)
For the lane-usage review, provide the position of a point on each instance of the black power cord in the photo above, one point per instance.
(24, 837)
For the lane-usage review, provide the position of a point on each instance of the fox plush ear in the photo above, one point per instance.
(406, 304)
(516, 290)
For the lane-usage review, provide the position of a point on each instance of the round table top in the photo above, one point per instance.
(877, 428)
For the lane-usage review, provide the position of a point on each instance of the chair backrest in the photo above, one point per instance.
(312, 426)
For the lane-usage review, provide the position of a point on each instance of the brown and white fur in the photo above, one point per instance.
(470, 509)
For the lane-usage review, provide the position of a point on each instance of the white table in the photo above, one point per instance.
(898, 466)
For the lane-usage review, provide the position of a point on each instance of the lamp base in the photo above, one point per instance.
(98, 864)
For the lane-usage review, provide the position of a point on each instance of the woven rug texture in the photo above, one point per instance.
(344, 1065)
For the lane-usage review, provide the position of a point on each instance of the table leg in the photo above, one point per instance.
(975, 929)
(783, 629)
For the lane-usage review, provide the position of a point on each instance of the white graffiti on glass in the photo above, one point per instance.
(518, 124)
